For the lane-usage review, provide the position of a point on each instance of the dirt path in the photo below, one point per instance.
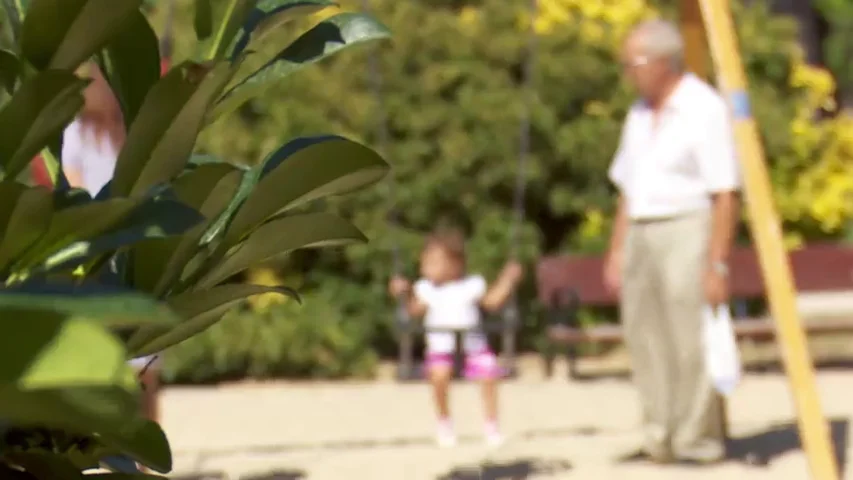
(556, 429)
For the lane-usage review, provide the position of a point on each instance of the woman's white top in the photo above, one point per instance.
(92, 155)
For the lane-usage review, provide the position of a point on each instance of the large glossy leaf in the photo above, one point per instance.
(10, 69)
(37, 113)
(201, 309)
(280, 236)
(208, 188)
(111, 412)
(75, 224)
(159, 111)
(44, 350)
(233, 16)
(132, 62)
(269, 15)
(28, 216)
(216, 230)
(109, 306)
(144, 442)
(203, 19)
(13, 15)
(63, 34)
(156, 218)
(304, 170)
(71, 373)
(44, 466)
(161, 140)
(325, 39)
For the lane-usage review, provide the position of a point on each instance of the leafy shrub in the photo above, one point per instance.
(148, 262)
(314, 340)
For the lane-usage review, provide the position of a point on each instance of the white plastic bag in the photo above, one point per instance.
(722, 358)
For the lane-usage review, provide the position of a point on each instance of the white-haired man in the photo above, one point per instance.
(677, 175)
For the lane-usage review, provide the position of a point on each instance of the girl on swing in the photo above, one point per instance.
(449, 298)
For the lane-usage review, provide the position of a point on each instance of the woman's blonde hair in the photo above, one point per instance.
(101, 112)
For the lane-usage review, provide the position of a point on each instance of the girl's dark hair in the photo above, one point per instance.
(102, 112)
(451, 240)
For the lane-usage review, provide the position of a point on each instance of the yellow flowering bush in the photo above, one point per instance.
(823, 191)
(814, 181)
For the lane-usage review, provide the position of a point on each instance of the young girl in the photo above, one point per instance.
(449, 298)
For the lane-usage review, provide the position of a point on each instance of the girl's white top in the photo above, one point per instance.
(453, 305)
(92, 155)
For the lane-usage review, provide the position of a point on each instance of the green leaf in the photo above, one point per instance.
(303, 170)
(208, 188)
(62, 34)
(156, 218)
(233, 16)
(10, 7)
(325, 39)
(201, 309)
(109, 306)
(42, 350)
(247, 183)
(45, 466)
(75, 224)
(28, 215)
(162, 138)
(37, 113)
(10, 69)
(144, 442)
(280, 236)
(269, 15)
(72, 374)
(203, 19)
(132, 62)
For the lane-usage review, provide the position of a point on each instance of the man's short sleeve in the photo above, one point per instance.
(618, 171)
(715, 149)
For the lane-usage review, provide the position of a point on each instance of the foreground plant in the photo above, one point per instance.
(145, 264)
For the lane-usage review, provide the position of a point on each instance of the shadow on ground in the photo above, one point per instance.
(516, 470)
(763, 447)
(398, 442)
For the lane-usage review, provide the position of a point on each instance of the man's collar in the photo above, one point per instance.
(680, 96)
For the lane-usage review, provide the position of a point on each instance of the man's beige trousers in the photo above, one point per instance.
(662, 297)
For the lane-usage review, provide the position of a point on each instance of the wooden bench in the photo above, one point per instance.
(823, 275)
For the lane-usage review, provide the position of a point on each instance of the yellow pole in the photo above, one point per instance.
(767, 235)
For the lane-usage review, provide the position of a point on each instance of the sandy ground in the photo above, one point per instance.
(557, 429)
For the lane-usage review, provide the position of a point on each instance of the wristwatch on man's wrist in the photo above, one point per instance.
(720, 268)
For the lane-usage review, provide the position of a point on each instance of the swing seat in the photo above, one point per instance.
(407, 329)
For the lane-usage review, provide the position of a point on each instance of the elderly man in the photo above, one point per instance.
(677, 176)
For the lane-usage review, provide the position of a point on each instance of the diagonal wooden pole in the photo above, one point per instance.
(767, 235)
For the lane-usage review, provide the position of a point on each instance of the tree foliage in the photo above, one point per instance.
(452, 103)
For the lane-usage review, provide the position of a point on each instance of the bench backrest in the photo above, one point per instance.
(816, 268)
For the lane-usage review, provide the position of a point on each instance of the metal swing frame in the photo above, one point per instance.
(510, 320)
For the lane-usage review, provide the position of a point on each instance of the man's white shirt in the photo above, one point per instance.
(672, 166)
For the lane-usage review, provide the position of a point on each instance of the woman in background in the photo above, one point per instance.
(90, 146)
(91, 143)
